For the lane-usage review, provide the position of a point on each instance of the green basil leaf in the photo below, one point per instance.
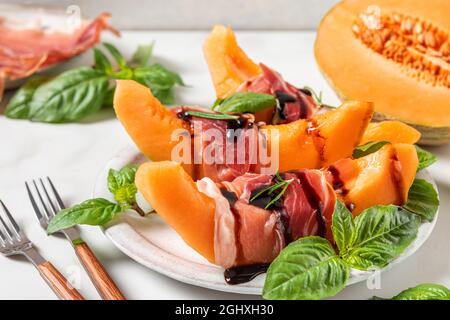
(126, 195)
(19, 105)
(142, 54)
(121, 184)
(101, 62)
(95, 212)
(423, 199)
(116, 55)
(71, 96)
(381, 234)
(426, 158)
(108, 99)
(306, 269)
(424, 292)
(342, 226)
(242, 102)
(159, 79)
(368, 148)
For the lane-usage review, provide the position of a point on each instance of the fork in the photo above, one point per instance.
(13, 241)
(46, 211)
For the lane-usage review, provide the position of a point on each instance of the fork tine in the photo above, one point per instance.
(58, 198)
(11, 219)
(3, 224)
(48, 215)
(3, 237)
(48, 198)
(33, 202)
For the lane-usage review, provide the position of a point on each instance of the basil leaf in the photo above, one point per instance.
(19, 105)
(242, 102)
(108, 99)
(342, 226)
(159, 79)
(368, 148)
(95, 212)
(142, 54)
(69, 97)
(101, 62)
(426, 158)
(306, 269)
(116, 55)
(424, 292)
(423, 199)
(381, 234)
(121, 184)
(119, 178)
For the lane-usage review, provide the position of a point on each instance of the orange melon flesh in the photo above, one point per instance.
(381, 178)
(147, 121)
(391, 131)
(342, 130)
(228, 64)
(320, 141)
(174, 195)
(360, 73)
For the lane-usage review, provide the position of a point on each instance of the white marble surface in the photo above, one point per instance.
(73, 155)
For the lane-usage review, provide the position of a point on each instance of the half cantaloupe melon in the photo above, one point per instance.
(380, 178)
(174, 195)
(319, 141)
(228, 64)
(395, 54)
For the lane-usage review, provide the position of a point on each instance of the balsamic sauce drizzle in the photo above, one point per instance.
(241, 274)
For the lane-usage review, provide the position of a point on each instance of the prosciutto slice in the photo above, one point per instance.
(223, 150)
(24, 50)
(293, 103)
(248, 232)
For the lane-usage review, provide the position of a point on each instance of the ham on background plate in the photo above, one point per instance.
(32, 39)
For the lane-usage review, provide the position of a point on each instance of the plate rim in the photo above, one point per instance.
(115, 233)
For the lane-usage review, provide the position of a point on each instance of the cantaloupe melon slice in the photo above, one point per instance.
(380, 178)
(174, 195)
(319, 141)
(391, 131)
(228, 64)
(147, 121)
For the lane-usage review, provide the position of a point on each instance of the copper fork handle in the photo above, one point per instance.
(57, 282)
(101, 279)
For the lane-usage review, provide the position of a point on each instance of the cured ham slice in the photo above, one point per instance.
(223, 150)
(24, 50)
(249, 231)
(293, 103)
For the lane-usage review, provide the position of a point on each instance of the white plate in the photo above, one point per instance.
(152, 243)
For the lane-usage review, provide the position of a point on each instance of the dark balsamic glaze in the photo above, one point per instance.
(184, 115)
(314, 201)
(264, 199)
(338, 184)
(229, 195)
(241, 274)
(283, 98)
(305, 91)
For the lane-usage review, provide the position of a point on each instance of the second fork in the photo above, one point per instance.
(46, 207)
